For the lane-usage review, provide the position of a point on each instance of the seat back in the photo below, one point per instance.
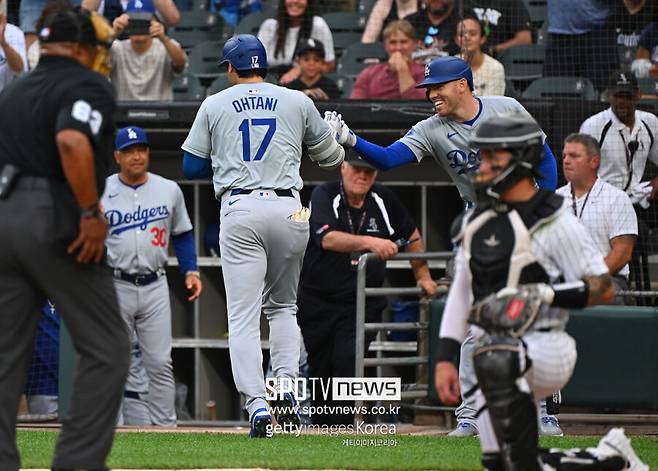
(576, 88)
(187, 87)
(358, 56)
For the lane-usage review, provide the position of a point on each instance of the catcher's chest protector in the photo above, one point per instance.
(498, 248)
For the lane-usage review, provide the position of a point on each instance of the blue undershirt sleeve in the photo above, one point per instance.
(195, 167)
(384, 158)
(185, 251)
(548, 168)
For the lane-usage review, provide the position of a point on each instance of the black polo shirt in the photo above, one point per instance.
(329, 274)
(324, 82)
(444, 33)
(501, 19)
(59, 94)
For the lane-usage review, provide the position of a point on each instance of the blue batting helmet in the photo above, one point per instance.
(446, 69)
(245, 52)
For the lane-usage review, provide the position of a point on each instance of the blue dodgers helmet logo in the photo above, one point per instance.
(462, 162)
(140, 218)
(132, 134)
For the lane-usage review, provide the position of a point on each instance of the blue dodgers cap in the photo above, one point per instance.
(446, 69)
(245, 52)
(142, 6)
(129, 136)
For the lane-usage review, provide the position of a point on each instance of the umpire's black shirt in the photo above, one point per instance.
(329, 274)
(59, 94)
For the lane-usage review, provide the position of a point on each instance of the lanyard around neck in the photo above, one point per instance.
(573, 202)
(349, 213)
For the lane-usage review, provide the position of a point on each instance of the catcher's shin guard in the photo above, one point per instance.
(492, 462)
(498, 365)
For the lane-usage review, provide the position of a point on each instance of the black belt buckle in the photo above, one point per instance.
(139, 280)
(280, 193)
(8, 176)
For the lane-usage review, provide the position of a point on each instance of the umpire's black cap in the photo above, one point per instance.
(68, 26)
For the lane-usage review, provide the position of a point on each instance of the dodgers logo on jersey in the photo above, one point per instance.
(462, 162)
(140, 218)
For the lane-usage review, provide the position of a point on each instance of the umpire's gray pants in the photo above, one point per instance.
(33, 268)
(147, 311)
(262, 253)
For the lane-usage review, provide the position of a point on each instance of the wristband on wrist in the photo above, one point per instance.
(193, 272)
(92, 211)
(571, 295)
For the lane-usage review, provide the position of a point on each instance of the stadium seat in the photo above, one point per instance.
(219, 84)
(250, 24)
(343, 40)
(577, 88)
(364, 8)
(203, 61)
(523, 63)
(345, 84)
(187, 87)
(358, 56)
(648, 85)
(537, 10)
(344, 21)
(197, 26)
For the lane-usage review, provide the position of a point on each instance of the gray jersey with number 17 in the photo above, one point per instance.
(253, 134)
(446, 140)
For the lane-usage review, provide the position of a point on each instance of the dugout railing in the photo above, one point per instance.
(419, 388)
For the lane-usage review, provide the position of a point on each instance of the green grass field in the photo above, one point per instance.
(213, 450)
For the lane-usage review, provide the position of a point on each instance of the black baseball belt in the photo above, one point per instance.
(281, 193)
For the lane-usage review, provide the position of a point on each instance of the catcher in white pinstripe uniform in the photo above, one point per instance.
(523, 261)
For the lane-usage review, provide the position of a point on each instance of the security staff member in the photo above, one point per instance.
(349, 217)
(54, 154)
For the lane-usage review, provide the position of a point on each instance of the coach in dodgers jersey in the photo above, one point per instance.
(445, 136)
(249, 138)
(145, 211)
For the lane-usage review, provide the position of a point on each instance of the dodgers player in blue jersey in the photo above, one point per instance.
(249, 139)
(145, 211)
(445, 137)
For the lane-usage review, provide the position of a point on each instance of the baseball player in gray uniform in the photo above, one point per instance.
(145, 212)
(249, 139)
(445, 137)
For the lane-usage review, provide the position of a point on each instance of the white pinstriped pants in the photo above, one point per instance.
(553, 356)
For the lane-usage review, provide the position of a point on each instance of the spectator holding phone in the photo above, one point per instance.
(144, 69)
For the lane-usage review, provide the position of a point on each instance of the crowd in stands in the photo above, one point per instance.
(587, 39)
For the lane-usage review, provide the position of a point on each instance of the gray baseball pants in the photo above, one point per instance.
(262, 253)
(147, 311)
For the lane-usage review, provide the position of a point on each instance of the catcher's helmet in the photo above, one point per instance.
(245, 52)
(518, 134)
(446, 69)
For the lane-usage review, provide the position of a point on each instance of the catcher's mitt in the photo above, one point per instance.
(510, 310)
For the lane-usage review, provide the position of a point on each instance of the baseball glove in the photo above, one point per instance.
(510, 310)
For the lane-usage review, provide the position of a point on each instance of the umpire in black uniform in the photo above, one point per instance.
(349, 217)
(55, 147)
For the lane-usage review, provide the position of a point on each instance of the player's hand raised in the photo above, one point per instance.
(343, 134)
(446, 380)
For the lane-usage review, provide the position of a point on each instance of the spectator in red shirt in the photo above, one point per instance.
(395, 79)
